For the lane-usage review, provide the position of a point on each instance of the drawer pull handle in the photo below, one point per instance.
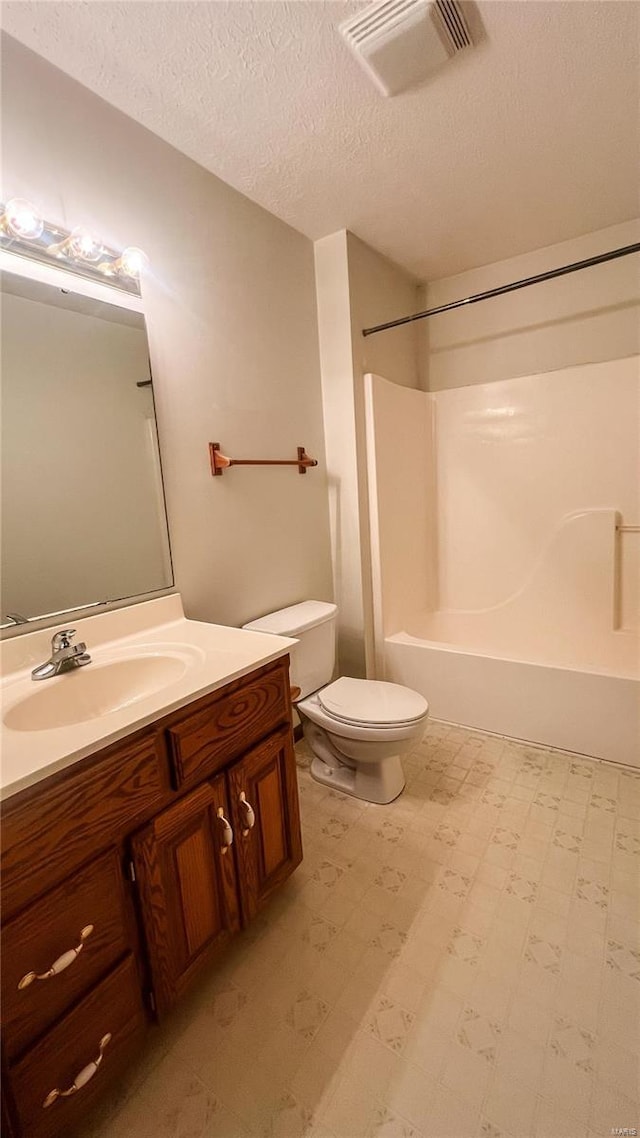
(60, 964)
(249, 815)
(227, 832)
(82, 1078)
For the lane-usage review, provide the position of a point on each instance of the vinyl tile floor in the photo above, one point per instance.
(464, 963)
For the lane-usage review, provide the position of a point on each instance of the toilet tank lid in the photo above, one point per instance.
(294, 619)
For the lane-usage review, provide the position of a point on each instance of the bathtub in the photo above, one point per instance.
(578, 697)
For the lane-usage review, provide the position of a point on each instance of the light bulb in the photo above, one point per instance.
(23, 219)
(83, 246)
(133, 261)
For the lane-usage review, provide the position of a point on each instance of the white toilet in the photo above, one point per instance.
(356, 729)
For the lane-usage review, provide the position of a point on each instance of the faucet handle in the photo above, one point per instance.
(62, 639)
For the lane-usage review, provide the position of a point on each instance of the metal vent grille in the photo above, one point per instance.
(449, 16)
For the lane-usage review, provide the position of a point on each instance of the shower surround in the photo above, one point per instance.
(506, 553)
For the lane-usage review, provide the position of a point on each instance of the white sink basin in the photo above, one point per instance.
(98, 689)
(147, 660)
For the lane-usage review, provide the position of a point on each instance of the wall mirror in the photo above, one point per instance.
(83, 514)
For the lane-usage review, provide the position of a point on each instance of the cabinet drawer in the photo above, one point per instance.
(90, 902)
(103, 1028)
(60, 825)
(223, 728)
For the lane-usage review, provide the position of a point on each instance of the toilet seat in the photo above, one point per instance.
(372, 703)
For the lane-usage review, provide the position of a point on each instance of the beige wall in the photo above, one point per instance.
(230, 309)
(585, 317)
(380, 291)
(356, 288)
(334, 324)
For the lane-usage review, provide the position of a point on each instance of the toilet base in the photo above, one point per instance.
(373, 782)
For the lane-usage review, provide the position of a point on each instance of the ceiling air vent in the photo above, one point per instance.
(400, 42)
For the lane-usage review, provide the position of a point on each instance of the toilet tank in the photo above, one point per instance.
(313, 624)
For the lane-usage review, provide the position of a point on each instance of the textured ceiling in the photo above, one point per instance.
(528, 139)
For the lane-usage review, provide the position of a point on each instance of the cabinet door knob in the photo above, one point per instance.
(82, 1078)
(227, 832)
(249, 815)
(60, 964)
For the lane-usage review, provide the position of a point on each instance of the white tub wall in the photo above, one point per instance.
(519, 517)
(516, 459)
(585, 317)
(402, 501)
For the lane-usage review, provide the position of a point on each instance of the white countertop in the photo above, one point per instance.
(214, 654)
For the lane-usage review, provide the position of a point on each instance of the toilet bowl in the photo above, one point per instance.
(357, 730)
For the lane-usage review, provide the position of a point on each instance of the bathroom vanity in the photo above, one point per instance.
(130, 862)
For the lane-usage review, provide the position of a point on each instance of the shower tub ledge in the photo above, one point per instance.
(589, 712)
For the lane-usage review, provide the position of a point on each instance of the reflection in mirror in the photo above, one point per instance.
(83, 513)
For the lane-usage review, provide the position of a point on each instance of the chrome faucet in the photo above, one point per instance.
(64, 656)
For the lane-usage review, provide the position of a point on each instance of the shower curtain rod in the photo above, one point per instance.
(548, 276)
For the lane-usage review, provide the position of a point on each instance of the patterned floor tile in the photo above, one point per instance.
(390, 1125)
(327, 874)
(479, 1034)
(335, 828)
(603, 803)
(623, 959)
(390, 878)
(226, 1004)
(447, 834)
(463, 963)
(319, 933)
(389, 939)
(391, 1024)
(543, 953)
(504, 837)
(456, 884)
(565, 840)
(573, 1043)
(522, 889)
(592, 891)
(306, 1014)
(390, 832)
(493, 798)
(465, 946)
(547, 801)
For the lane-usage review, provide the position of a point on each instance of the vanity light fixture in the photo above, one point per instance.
(131, 263)
(24, 232)
(21, 219)
(79, 245)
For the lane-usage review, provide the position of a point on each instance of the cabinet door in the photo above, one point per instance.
(187, 887)
(263, 789)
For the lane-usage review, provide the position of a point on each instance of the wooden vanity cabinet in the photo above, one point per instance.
(265, 817)
(124, 876)
(188, 887)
